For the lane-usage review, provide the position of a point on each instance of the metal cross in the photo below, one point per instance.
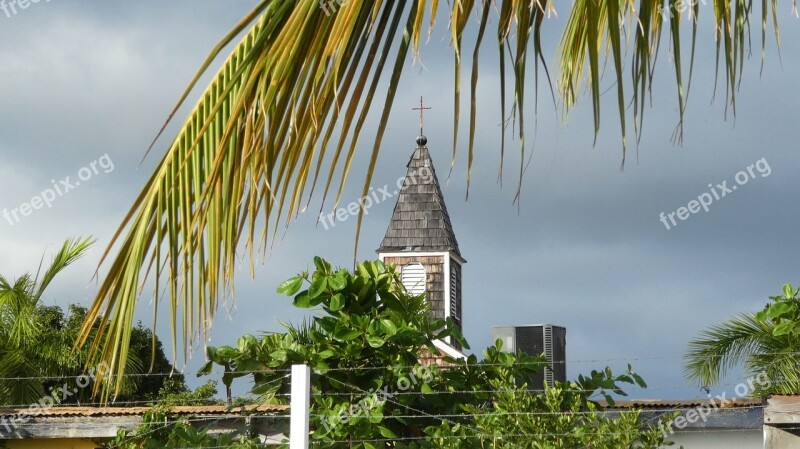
(421, 110)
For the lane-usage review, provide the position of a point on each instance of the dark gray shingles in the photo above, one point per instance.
(420, 221)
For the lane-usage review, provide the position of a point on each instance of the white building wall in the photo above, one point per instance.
(721, 439)
(775, 438)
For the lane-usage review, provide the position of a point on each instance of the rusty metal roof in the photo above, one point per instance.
(680, 404)
(77, 411)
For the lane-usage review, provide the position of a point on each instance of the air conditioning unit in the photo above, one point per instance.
(536, 340)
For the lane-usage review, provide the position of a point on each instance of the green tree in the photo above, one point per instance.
(37, 342)
(28, 351)
(369, 390)
(284, 113)
(146, 382)
(766, 343)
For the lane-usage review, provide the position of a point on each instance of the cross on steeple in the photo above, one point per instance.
(421, 110)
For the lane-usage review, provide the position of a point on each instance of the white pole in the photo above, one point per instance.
(301, 399)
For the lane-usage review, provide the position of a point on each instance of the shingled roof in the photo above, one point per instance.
(420, 221)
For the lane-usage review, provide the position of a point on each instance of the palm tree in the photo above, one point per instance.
(766, 343)
(296, 90)
(25, 356)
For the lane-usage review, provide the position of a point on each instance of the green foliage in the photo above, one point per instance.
(174, 393)
(559, 417)
(783, 313)
(147, 348)
(767, 343)
(27, 349)
(501, 411)
(57, 335)
(368, 388)
(179, 435)
(37, 344)
(161, 429)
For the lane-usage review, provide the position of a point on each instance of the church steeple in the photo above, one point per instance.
(420, 241)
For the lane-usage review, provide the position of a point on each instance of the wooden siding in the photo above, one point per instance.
(434, 285)
(426, 358)
(782, 409)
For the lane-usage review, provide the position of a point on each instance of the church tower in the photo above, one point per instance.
(420, 241)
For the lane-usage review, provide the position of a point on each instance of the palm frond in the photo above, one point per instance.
(17, 307)
(747, 342)
(21, 384)
(780, 371)
(72, 250)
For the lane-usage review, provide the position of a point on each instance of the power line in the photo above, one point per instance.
(397, 367)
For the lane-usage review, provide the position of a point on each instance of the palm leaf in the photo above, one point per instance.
(21, 384)
(724, 346)
(71, 250)
(748, 342)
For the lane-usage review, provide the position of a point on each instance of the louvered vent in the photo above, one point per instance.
(455, 293)
(413, 278)
(538, 339)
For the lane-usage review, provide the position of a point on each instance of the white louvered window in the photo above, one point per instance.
(413, 278)
(455, 293)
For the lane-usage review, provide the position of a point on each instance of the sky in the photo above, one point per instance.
(85, 86)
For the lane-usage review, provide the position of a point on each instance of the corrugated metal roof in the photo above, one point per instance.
(420, 221)
(678, 404)
(60, 412)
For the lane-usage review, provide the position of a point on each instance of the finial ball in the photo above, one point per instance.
(422, 140)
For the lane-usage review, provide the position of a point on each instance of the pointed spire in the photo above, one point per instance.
(420, 221)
